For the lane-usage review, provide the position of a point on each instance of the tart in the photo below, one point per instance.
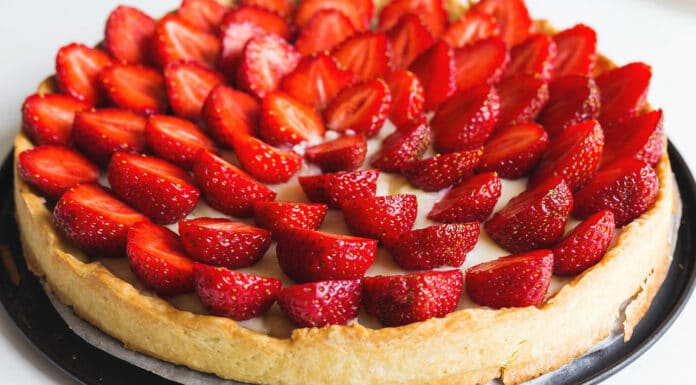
(437, 130)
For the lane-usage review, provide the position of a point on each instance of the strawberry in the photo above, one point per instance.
(628, 187)
(433, 246)
(407, 95)
(521, 99)
(405, 145)
(177, 40)
(320, 304)
(221, 242)
(232, 294)
(534, 56)
(512, 17)
(205, 15)
(366, 54)
(188, 85)
(514, 151)
(279, 216)
(403, 299)
(470, 201)
(482, 62)
(624, 91)
(158, 260)
(158, 189)
(640, 137)
(362, 107)
(380, 217)
(227, 188)
(52, 169)
(577, 51)
(316, 80)
(325, 30)
(229, 113)
(48, 118)
(342, 154)
(338, 188)
(585, 245)
(266, 59)
(267, 20)
(436, 70)
(77, 68)
(134, 87)
(533, 219)
(234, 37)
(286, 120)
(470, 28)
(512, 281)
(358, 12)
(573, 155)
(282, 7)
(176, 140)
(129, 35)
(431, 12)
(264, 162)
(572, 99)
(408, 38)
(466, 119)
(309, 255)
(442, 170)
(100, 133)
(94, 220)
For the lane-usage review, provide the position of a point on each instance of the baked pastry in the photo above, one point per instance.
(525, 329)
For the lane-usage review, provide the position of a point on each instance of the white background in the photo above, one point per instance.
(661, 33)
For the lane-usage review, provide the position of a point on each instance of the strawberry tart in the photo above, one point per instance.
(347, 192)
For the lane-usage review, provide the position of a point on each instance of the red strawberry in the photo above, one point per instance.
(342, 154)
(470, 201)
(286, 120)
(572, 99)
(466, 119)
(129, 35)
(577, 51)
(177, 40)
(365, 54)
(232, 294)
(624, 91)
(282, 7)
(54, 169)
(309, 255)
(513, 281)
(513, 151)
(77, 68)
(205, 15)
(93, 219)
(534, 56)
(279, 216)
(156, 257)
(227, 188)
(470, 28)
(100, 133)
(431, 12)
(362, 108)
(325, 30)
(628, 187)
(359, 12)
(134, 87)
(534, 219)
(405, 145)
(512, 17)
(234, 37)
(320, 304)
(402, 299)
(266, 59)
(434, 246)
(338, 188)
(573, 155)
(442, 170)
(267, 20)
(640, 137)
(48, 118)
(482, 62)
(521, 99)
(316, 80)
(188, 85)
(176, 140)
(154, 187)
(380, 217)
(229, 113)
(408, 97)
(436, 70)
(221, 242)
(408, 38)
(264, 162)
(585, 245)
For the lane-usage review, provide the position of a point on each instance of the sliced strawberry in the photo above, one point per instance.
(264, 162)
(286, 120)
(158, 189)
(365, 54)
(234, 37)
(402, 299)
(77, 68)
(512, 17)
(442, 170)
(269, 21)
(380, 217)
(513, 151)
(338, 188)
(222, 242)
(320, 304)
(205, 15)
(176, 140)
(309, 255)
(573, 155)
(624, 91)
(641, 137)
(482, 62)
(534, 56)
(100, 133)
(316, 80)
(282, 7)
(232, 294)
(471, 201)
(408, 98)
(266, 59)
(229, 113)
(135, 87)
(227, 188)
(585, 245)
(188, 85)
(408, 38)
(572, 99)
(513, 281)
(470, 28)
(54, 169)
(345, 153)
(577, 51)
(466, 119)
(405, 145)
(280, 216)
(431, 12)
(176, 40)
(534, 219)
(359, 12)
(48, 118)
(628, 187)
(433, 246)
(93, 219)
(436, 70)
(362, 107)
(522, 97)
(129, 35)
(324, 31)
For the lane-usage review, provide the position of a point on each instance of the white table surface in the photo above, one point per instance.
(661, 33)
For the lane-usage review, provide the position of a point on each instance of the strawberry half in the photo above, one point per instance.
(229, 113)
(338, 188)
(316, 80)
(176, 140)
(266, 59)
(442, 170)
(514, 151)
(324, 31)
(134, 87)
(177, 40)
(188, 86)
(521, 99)
(624, 91)
(320, 304)
(362, 107)
(585, 245)
(577, 51)
(205, 15)
(482, 62)
(285, 120)
(77, 68)
(470, 28)
(264, 162)
(512, 281)
(358, 12)
(405, 145)
(431, 12)
(471, 201)
(129, 35)
(234, 37)
(641, 137)
(403, 299)
(408, 98)
(380, 217)
(280, 216)
(512, 17)
(436, 70)
(48, 118)
(268, 21)
(365, 54)
(345, 153)
(282, 7)
(100, 133)
(572, 99)
(408, 38)
(534, 56)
